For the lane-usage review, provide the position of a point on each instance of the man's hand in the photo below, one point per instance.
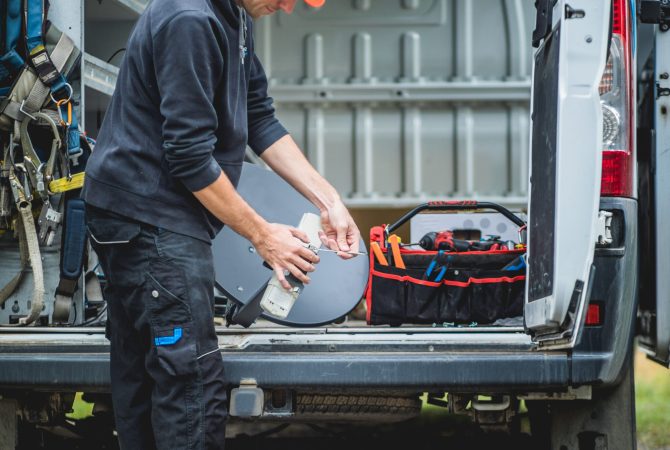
(281, 247)
(340, 233)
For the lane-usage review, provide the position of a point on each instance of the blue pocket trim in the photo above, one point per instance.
(169, 340)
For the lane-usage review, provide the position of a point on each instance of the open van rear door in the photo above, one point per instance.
(656, 338)
(566, 142)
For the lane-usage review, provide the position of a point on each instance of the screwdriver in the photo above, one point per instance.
(316, 250)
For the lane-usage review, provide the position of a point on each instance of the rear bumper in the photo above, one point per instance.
(603, 350)
(408, 360)
(412, 372)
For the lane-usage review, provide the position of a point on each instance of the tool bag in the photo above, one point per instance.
(474, 287)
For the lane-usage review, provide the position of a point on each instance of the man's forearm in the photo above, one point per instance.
(223, 201)
(279, 245)
(286, 159)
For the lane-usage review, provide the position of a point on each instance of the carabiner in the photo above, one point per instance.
(67, 113)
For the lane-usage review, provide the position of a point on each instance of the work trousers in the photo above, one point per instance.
(168, 387)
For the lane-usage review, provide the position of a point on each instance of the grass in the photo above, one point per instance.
(652, 396)
(80, 408)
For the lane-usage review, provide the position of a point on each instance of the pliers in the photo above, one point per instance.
(440, 260)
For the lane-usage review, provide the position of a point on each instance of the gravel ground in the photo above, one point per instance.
(400, 437)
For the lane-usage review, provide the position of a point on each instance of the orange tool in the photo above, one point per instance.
(376, 249)
(394, 240)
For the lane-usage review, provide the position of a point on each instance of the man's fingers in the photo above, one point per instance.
(332, 244)
(342, 243)
(279, 272)
(303, 265)
(324, 238)
(308, 255)
(297, 273)
(299, 234)
(354, 241)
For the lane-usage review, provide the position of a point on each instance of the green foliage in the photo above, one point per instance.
(652, 396)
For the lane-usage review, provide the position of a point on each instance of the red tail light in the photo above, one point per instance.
(594, 315)
(616, 180)
(617, 99)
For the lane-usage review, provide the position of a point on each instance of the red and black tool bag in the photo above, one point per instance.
(474, 288)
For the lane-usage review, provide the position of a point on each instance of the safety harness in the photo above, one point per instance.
(43, 152)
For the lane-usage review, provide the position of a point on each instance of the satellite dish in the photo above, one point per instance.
(336, 286)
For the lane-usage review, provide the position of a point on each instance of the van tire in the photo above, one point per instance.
(607, 421)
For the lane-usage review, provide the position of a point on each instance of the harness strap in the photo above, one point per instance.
(14, 283)
(76, 181)
(72, 257)
(16, 111)
(91, 280)
(47, 69)
(43, 173)
(64, 49)
(28, 223)
(10, 62)
(40, 91)
(26, 226)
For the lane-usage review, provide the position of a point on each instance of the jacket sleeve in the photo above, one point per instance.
(188, 66)
(264, 128)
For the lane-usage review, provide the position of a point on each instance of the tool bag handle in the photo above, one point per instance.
(453, 205)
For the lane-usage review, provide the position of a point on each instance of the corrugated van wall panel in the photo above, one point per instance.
(399, 101)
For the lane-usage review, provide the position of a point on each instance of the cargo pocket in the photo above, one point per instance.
(515, 297)
(388, 299)
(176, 350)
(167, 295)
(423, 303)
(488, 300)
(455, 304)
(109, 230)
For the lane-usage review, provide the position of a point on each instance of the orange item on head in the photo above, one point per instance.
(315, 3)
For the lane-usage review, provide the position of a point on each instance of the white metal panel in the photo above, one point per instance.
(395, 101)
(662, 188)
(562, 228)
(400, 101)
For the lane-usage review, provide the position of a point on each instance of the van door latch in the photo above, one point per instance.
(604, 228)
(656, 12)
(572, 13)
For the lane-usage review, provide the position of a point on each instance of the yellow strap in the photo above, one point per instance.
(64, 185)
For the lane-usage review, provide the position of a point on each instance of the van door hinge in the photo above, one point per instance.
(604, 228)
(656, 12)
(543, 20)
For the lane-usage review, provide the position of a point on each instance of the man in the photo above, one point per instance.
(191, 94)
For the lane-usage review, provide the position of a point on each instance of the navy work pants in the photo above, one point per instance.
(168, 387)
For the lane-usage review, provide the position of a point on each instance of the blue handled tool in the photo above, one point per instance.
(516, 264)
(443, 261)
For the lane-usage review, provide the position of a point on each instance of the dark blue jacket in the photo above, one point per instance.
(191, 94)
